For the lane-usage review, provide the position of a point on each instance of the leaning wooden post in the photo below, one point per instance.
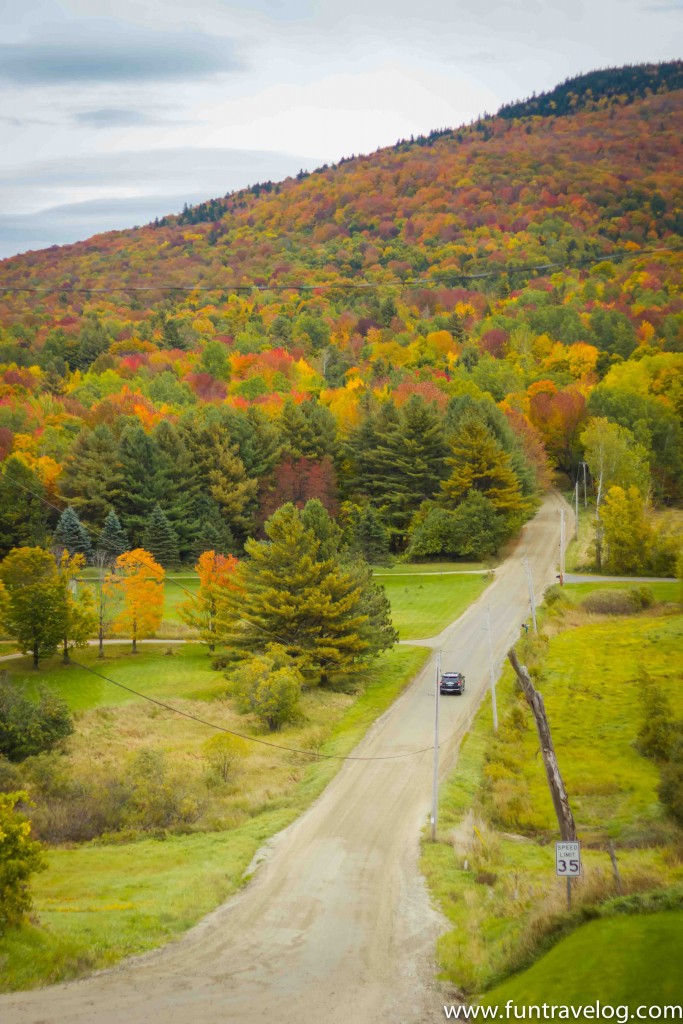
(565, 818)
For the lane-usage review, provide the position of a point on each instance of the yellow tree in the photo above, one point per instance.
(217, 574)
(79, 618)
(140, 581)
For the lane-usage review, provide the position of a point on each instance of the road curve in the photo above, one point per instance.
(337, 924)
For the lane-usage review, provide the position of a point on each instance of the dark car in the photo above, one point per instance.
(452, 682)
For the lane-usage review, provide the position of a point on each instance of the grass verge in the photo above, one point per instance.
(492, 869)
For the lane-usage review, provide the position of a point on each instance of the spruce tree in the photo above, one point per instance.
(71, 534)
(113, 538)
(160, 539)
(93, 478)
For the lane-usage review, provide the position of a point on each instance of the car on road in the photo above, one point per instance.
(452, 682)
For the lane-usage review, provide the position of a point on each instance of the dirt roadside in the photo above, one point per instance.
(337, 924)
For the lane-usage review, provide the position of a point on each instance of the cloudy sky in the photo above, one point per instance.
(114, 113)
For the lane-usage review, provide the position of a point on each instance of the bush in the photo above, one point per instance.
(27, 728)
(670, 789)
(269, 686)
(618, 602)
(224, 753)
(656, 729)
(20, 857)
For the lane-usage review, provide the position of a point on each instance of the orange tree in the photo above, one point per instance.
(140, 580)
(217, 574)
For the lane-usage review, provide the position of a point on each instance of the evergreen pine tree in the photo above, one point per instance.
(113, 538)
(297, 589)
(478, 461)
(160, 539)
(71, 534)
(93, 479)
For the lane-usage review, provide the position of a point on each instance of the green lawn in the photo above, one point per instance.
(421, 606)
(186, 673)
(492, 869)
(576, 592)
(622, 961)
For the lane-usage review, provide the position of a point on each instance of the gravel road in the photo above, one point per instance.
(337, 925)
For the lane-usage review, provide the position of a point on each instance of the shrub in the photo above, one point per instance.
(224, 753)
(20, 857)
(269, 686)
(656, 729)
(670, 789)
(618, 602)
(28, 728)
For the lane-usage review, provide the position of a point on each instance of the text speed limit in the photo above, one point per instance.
(568, 859)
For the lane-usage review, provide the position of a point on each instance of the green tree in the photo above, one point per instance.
(30, 727)
(93, 478)
(20, 857)
(626, 532)
(302, 595)
(161, 539)
(23, 511)
(479, 462)
(214, 360)
(656, 731)
(472, 530)
(71, 534)
(307, 430)
(365, 532)
(614, 457)
(32, 605)
(113, 538)
(268, 685)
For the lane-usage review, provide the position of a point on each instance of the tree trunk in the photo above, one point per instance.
(36, 656)
(100, 652)
(135, 644)
(65, 651)
(565, 818)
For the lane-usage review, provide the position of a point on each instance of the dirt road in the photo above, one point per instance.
(337, 925)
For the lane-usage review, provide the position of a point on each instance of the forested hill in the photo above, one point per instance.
(600, 88)
(357, 333)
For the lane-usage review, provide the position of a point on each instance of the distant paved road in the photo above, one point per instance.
(337, 924)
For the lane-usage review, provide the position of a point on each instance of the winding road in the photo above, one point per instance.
(337, 925)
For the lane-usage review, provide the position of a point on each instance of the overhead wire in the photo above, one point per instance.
(273, 285)
(213, 725)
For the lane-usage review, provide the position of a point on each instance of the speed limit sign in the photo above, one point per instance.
(568, 859)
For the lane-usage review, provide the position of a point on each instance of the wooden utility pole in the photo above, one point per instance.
(492, 673)
(565, 818)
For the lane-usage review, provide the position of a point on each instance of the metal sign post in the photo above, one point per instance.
(568, 864)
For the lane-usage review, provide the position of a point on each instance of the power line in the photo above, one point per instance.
(272, 285)
(243, 736)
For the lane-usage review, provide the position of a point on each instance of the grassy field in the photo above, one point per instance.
(492, 869)
(638, 958)
(421, 606)
(97, 903)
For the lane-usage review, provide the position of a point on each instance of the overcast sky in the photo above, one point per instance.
(114, 113)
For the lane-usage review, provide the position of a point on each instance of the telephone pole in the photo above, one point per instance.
(435, 780)
(532, 599)
(492, 673)
(576, 510)
(562, 518)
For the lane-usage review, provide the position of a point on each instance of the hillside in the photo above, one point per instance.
(336, 328)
